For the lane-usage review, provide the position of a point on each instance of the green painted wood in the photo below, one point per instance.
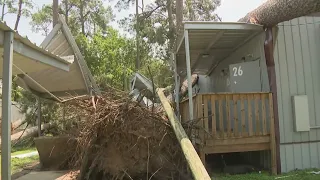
(297, 152)
(307, 74)
(314, 155)
(289, 157)
(297, 57)
(283, 89)
(305, 153)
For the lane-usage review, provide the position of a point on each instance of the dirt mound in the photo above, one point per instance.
(120, 139)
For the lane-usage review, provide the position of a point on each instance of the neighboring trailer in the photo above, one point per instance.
(297, 61)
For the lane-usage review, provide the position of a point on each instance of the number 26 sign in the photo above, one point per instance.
(237, 71)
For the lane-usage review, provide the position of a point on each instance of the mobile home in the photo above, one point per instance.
(258, 89)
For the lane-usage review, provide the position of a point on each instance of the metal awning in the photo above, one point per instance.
(64, 85)
(28, 57)
(210, 43)
(140, 82)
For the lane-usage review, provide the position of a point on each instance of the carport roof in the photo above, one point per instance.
(211, 42)
(54, 82)
(28, 57)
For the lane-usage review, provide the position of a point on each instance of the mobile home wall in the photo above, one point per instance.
(297, 58)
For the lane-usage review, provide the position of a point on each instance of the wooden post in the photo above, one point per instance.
(196, 166)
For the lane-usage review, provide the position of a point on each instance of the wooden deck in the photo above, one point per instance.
(225, 122)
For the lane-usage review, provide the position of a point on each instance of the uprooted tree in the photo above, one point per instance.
(120, 139)
(273, 12)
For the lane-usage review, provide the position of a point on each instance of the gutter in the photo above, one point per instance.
(269, 55)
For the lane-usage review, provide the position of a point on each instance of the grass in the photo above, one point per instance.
(24, 151)
(22, 147)
(25, 146)
(18, 164)
(294, 175)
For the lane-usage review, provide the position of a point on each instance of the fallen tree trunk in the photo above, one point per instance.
(18, 123)
(1, 127)
(273, 12)
(184, 86)
(198, 170)
(14, 125)
(17, 126)
(29, 132)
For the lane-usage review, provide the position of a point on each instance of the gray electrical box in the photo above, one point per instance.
(245, 77)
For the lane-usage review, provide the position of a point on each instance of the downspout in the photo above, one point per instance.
(269, 50)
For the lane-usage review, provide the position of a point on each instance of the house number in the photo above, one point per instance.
(237, 71)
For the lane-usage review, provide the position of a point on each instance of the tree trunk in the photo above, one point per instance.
(18, 15)
(179, 14)
(273, 12)
(55, 7)
(17, 124)
(82, 16)
(190, 10)
(2, 13)
(67, 10)
(137, 36)
(171, 25)
(184, 86)
(29, 132)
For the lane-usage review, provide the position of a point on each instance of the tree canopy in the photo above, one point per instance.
(157, 21)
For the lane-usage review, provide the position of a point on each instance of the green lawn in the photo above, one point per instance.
(22, 148)
(23, 151)
(295, 175)
(19, 164)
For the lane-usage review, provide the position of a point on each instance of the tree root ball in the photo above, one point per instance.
(120, 139)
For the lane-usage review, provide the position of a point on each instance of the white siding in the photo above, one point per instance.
(297, 58)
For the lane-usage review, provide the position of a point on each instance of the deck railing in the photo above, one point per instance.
(226, 115)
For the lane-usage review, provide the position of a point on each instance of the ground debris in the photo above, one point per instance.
(121, 139)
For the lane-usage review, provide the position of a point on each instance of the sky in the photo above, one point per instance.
(229, 11)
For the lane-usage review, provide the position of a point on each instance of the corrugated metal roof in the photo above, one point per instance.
(77, 82)
(27, 57)
(141, 83)
(211, 42)
(27, 42)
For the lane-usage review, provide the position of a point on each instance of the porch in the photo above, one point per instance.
(237, 122)
(239, 115)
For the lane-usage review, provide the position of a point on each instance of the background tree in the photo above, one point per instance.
(162, 13)
(41, 20)
(18, 7)
(7, 7)
(111, 57)
(82, 16)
